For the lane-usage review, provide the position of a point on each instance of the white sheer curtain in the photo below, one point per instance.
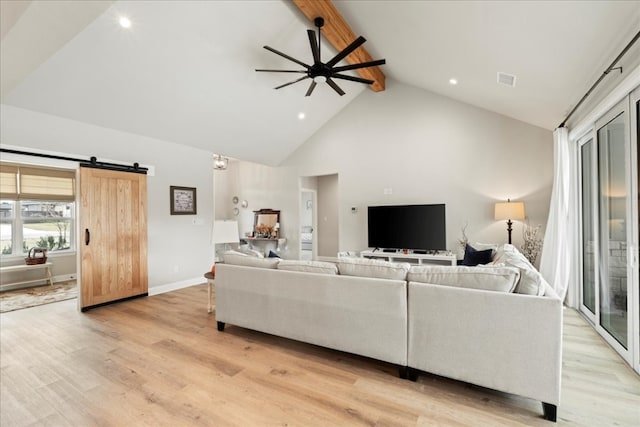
(555, 262)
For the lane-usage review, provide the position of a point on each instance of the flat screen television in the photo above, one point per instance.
(416, 227)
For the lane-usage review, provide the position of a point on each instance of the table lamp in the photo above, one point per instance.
(509, 210)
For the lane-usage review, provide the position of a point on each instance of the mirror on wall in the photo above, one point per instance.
(266, 224)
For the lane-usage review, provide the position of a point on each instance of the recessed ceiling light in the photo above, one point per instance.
(125, 22)
(453, 81)
(301, 116)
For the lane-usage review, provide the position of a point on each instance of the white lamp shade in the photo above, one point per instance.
(225, 232)
(509, 210)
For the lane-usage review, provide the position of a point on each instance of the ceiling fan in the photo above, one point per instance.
(325, 71)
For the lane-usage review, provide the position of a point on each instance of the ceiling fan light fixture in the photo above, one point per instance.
(325, 72)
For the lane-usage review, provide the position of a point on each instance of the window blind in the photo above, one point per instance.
(8, 182)
(33, 183)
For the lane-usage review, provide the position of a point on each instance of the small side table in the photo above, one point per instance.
(210, 277)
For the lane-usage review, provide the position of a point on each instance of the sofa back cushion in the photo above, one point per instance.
(236, 258)
(308, 266)
(498, 279)
(531, 281)
(376, 268)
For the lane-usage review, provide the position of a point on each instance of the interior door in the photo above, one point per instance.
(308, 242)
(113, 229)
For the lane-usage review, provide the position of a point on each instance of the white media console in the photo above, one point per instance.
(441, 257)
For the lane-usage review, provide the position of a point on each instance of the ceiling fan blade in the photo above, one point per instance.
(335, 86)
(284, 55)
(290, 83)
(346, 51)
(312, 86)
(351, 78)
(283, 71)
(314, 46)
(360, 65)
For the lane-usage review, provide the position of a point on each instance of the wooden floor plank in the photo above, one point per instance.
(160, 361)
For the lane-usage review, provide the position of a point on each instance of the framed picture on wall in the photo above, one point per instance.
(183, 200)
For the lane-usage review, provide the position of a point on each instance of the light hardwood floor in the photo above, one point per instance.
(159, 361)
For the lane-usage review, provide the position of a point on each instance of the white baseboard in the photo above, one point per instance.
(64, 277)
(43, 282)
(155, 290)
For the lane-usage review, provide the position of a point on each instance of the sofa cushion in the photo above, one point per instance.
(308, 266)
(380, 269)
(236, 258)
(489, 278)
(245, 249)
(473, 257)
(531, 281)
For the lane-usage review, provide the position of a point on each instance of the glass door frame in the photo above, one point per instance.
(634, 228)
(626, 353)
(588, 137)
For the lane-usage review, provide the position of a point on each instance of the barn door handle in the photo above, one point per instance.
(87, 236)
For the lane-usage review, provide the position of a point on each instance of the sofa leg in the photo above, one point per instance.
(403, 372)
(550, 411)
(221, 326)
(412, 374)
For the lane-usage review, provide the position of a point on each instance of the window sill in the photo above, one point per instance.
(56, 254)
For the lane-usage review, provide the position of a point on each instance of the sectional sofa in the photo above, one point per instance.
(497, 325)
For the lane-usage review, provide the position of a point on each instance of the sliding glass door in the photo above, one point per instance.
(609, 294)
(613, 197)
(634, 231)
(589, 214)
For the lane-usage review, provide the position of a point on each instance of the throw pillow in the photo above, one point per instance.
(473, 257)
(250, 252)
(249, 261)
(273, 255)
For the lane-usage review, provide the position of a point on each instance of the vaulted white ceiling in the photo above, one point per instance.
(184, 72)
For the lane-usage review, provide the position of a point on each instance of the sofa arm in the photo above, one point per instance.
(503, 341)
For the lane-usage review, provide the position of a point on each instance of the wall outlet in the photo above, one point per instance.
(388, 191)
(354, 210)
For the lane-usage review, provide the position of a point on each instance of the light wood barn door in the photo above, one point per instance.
(113, 227)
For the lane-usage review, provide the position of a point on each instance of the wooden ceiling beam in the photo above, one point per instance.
(337, 32)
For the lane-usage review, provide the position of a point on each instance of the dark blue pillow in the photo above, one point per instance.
(273, 255)
(474, 257)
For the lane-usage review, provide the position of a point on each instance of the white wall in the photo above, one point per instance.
(430, 149)
(263, 187)
(179, 251)
(328, 216)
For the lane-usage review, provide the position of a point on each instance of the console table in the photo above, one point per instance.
(440, 258)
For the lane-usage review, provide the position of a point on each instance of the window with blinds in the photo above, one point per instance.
(37, 209)
(34, 183)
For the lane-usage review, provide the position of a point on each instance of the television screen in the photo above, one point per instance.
(417, 227)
